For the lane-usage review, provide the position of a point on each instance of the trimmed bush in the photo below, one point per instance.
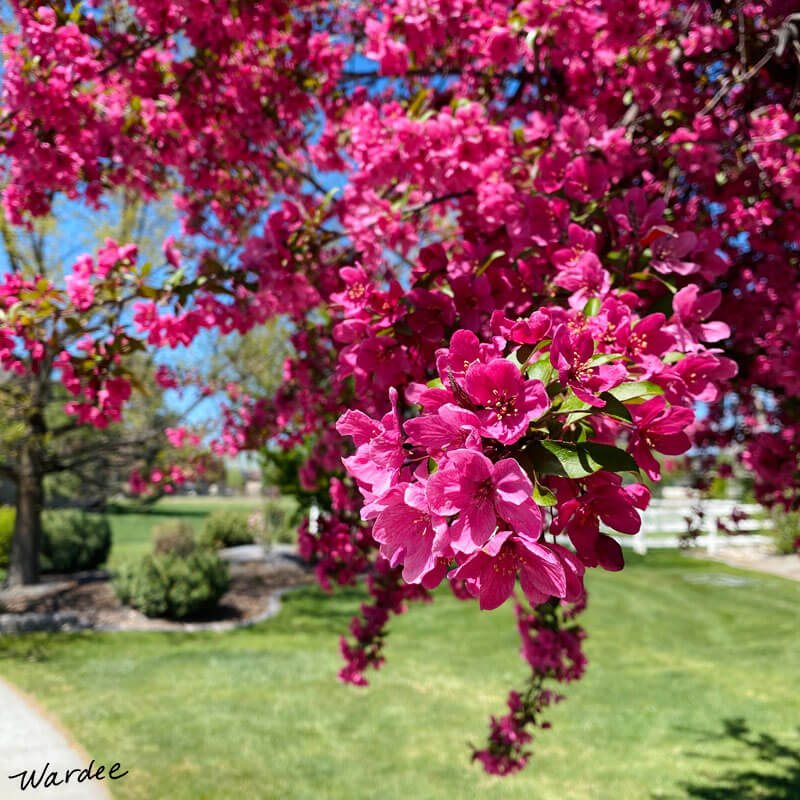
(73, 541)
(172, 586)
(174, 537)
(7, 515)
(274, 522)
(786, 531)
(226, 529)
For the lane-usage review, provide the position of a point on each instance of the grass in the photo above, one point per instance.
(132, 530)
(684, 656)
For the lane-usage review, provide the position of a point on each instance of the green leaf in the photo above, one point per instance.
(647, 276)
(524, 352)
(617, 256)
(149, 292)
(573, 403)
(578, 460)
(176, 277)
(635, 390)
(614, 408)
(13, 312)
(541, 370)
(418, 102)
(792, 140)
(530, 38)
(542, 496)
(492, 257)
(610, 458)
(514, 358)
(329, 195)
(558, 458)
(603, 358)
(584, 431)
(592, 307)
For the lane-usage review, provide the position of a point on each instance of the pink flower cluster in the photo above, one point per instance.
(456, 483)
(389, 595)
(335, 552)
(552, 651)
(551, 645)
(508, 737)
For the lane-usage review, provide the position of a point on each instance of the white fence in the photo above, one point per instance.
(665, 518)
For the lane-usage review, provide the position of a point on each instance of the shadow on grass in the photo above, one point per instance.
(35, 646)
(311, 610)
(667, 559)
(775, 776)
(144, 511)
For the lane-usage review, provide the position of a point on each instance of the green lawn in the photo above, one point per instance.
(132, 532)
(676, 654)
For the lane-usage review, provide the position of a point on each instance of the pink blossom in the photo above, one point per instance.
(508, 401)
(606, 500)
(570, 356)
(691, 311)
(491, 572)
(585, 179)
(357, 291)
(411, 534)
(670, 250)
(379, 453)
(658, 428)
(479, 491)
(529, 330)
(80, 292)
(450, 428)
(585, 278)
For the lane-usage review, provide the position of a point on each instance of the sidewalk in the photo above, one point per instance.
(28, 740)
(759, 559)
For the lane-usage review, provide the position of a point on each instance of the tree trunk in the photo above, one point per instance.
(23, 567)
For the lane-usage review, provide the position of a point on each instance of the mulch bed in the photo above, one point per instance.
(91, 598)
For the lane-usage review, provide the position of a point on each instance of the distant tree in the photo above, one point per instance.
(97, 462)
(253, 361)
(234, 478)
(43, 430)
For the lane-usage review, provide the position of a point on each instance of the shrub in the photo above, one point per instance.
(786, 530)
(274, 523)
(7, 516)
(73, 541)
(226, 529)
(174, 537)
(279, 520)
(172, 586)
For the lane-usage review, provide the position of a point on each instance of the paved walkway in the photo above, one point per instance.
(759, 559)
(28, 740)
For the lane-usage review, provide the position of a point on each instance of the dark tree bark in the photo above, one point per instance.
(29, 472)
(23, 567)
